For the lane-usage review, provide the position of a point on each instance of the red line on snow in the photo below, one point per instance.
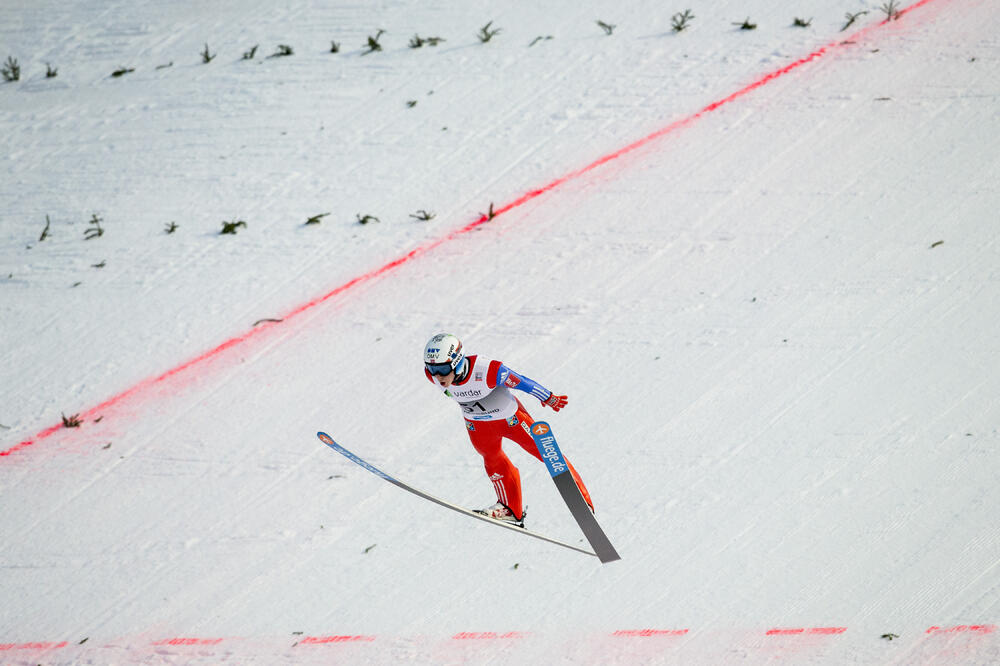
(189, 641)
(421, 250)
(322, 640)
(645, 633)
(32, 646)
(487, 635)
(807, 631)
(962, 628)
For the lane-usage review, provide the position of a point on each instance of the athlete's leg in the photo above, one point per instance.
(521, 433)
(486, 438)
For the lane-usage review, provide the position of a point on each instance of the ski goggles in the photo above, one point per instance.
(442, 369)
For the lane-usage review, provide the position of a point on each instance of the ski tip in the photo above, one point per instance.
(540, 428)
(325, 438)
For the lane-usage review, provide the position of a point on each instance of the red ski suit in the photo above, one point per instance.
(488, 421)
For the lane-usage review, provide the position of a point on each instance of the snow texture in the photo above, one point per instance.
(763, 264)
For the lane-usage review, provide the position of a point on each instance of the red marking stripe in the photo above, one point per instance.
(812, 630)
(486, 635)
(975, 628)
(188, 641)
(321, 640)
(643, 633)
(421, 250)
(32, 646)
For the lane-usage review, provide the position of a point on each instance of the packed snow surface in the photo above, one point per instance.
(762, 263)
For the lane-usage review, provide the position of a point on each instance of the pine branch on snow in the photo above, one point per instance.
(851, 18)
(486, 33)
(891, 10)
(11, 70)
(95, 230)
(680, 20)
(231, 227)
(315, 219)
(373, 44)
(417, 41)
(284, 50)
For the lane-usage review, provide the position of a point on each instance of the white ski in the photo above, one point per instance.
(329, 441)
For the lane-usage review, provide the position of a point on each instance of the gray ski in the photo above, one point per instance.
(541, 432)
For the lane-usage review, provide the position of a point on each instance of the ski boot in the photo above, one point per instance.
(502, 512)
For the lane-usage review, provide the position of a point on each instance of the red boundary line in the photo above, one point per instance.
(33, 646)
(187, 641)
(421, 250)
(826, 631)
(324, 640)
(646, 633)
(488, 635)
(963, 628)
(492, 636)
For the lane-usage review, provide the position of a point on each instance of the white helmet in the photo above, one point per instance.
(443, 354)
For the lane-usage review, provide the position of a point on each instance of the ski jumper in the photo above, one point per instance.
(492, 413)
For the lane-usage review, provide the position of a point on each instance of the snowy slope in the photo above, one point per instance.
(775, 320)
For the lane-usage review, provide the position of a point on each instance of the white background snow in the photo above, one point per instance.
(776, 324)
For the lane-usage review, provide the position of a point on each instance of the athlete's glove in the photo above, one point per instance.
(556, 402)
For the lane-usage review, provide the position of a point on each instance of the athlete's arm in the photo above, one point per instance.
(501, 374)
